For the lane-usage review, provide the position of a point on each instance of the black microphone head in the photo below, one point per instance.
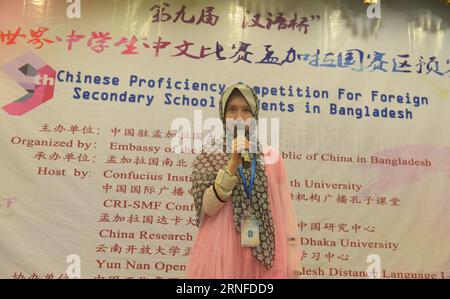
(245, 162)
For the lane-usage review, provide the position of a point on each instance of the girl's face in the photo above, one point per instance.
(237, 108)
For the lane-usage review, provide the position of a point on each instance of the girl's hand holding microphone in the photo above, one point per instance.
(239, 145)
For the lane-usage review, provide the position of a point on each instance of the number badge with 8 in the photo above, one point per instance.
(249, 232)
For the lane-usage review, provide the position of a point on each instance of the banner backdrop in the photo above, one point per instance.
(90, 185)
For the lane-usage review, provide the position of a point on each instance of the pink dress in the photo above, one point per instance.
(217, 251)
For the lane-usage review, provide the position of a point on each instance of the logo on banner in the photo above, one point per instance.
(36, 77)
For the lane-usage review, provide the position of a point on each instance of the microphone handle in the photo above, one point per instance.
(245, 159)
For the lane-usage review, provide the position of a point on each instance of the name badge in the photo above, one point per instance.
(249, 232)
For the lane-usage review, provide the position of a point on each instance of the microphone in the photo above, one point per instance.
(245, 156)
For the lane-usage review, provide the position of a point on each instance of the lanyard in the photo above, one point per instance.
(248, 189)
